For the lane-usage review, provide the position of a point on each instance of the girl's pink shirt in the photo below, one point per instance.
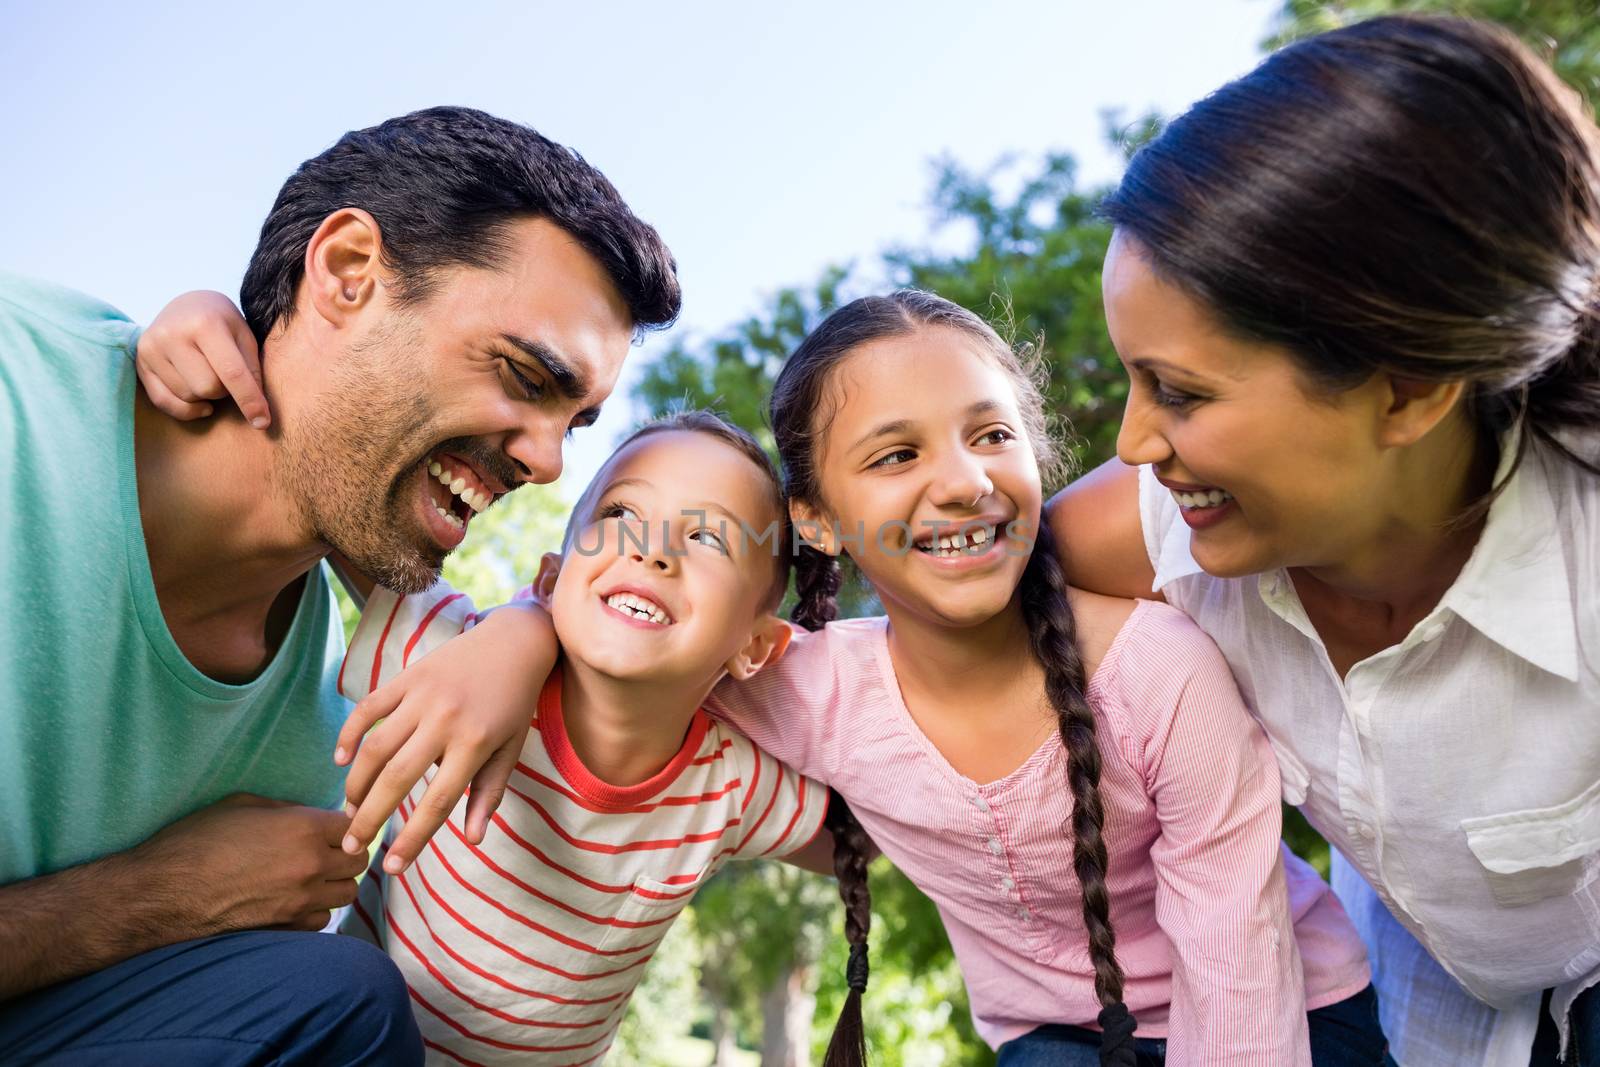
(1223, 952)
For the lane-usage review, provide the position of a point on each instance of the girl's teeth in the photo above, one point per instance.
(1209, 499)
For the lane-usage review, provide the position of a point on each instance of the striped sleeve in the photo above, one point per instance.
(397, 630)
(780, 809)
(1238, 995)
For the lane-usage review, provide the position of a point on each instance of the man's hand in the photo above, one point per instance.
(249, 862)
(242, 863)
(465, 706)
(200, 349)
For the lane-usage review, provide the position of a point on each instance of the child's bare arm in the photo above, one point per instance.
(465, 707)
(200, 349)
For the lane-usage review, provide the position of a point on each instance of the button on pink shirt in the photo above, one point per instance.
(1206, 929)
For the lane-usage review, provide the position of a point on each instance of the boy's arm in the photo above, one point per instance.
(465, 707)
(199, 349)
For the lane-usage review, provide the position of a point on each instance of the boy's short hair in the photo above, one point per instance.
(706, 421)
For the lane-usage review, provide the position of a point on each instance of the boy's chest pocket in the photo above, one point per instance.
(647, 912)
(1540, 853)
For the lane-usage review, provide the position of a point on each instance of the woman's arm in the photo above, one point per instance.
(1096, 524)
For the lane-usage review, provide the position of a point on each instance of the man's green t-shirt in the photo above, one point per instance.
(107, 732)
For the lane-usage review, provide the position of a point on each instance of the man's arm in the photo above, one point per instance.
(245, 862)
(1095, 521)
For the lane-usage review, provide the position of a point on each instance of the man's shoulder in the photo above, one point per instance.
(43, 308)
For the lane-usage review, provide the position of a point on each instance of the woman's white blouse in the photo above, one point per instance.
(1458, 772)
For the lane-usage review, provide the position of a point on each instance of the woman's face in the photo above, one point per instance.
(1268, 471)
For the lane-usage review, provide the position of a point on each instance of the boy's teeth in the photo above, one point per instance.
(639, 607)
(1209, 499)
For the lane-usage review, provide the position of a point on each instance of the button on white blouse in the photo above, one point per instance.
(1457, 774)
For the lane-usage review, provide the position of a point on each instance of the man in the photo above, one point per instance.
(446, 284)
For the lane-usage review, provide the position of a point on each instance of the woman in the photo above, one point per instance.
(1357, 293)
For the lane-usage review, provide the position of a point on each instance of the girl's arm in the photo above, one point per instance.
(465, 707)
(1238, 993)
(1098, 533)
(200, 349)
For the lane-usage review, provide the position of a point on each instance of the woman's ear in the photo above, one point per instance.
(1414, 407)
(344, 265)
(814, 528)
(768, 640)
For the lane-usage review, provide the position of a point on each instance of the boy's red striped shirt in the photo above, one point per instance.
(525, 949)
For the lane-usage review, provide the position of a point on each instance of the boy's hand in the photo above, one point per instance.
(200, 349)
(466, 706)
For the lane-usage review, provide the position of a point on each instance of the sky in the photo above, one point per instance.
(144, 143)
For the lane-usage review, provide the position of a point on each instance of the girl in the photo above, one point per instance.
(1358, 295)
(1071, 778)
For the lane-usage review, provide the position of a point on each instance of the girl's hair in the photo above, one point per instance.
(802, 404)
(1418, 196)
(708, 422)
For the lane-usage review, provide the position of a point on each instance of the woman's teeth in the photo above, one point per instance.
(1209, 499)
(639, 608)
(960, 543)
(477, 499)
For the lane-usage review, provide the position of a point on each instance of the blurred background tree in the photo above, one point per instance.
(754, 972)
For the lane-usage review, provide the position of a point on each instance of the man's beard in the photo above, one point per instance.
(350, 464)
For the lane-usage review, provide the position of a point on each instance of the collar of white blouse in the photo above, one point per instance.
(1516, 588)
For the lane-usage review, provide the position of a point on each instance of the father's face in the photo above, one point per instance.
(435, 410)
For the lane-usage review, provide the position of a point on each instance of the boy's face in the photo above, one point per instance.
(663, 578)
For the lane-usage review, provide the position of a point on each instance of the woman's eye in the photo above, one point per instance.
(1168, 397)
(894, 459)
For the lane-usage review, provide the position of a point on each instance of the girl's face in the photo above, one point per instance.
(927, 477)
(1266, 472)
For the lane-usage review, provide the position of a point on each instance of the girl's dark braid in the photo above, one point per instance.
(1052, 632)
(848, 1046)
(816, 579)
(816, 583)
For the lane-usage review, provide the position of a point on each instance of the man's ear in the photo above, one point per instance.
(768, 640)
(544, 583)
(1413, 407)
(344, 265)
(813, 527)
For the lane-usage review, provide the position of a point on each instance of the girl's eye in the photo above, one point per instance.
(708, 536)
(893, 459)
(996, 436)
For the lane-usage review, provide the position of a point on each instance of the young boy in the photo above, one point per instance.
(626, 796)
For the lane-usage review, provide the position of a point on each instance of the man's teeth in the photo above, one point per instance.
(639, 608)
(962, 542)
(451, 519)
(1209, 499)
(477, 499)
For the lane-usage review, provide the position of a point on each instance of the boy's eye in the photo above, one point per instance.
(708, 536)
(893, 459)
(617, 511)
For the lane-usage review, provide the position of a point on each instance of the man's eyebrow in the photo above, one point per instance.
(570, 382)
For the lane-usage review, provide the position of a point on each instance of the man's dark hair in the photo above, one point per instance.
(443, 184)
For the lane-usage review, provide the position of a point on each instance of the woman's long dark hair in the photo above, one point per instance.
(800, 401)
(1412, 195)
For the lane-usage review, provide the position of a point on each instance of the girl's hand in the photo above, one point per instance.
(200, 349)
(465, 706)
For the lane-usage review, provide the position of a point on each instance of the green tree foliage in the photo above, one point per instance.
(1566, 33)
